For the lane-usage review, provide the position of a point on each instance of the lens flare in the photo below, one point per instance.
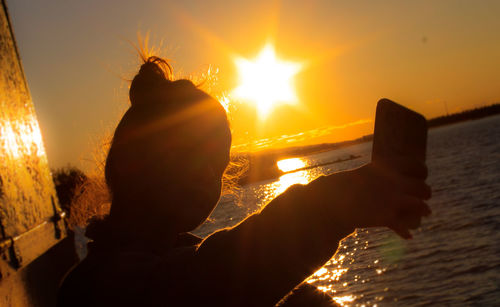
(266, 81)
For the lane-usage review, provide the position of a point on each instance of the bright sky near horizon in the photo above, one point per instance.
(428, 55)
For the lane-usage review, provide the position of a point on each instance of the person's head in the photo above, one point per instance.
(168, 153)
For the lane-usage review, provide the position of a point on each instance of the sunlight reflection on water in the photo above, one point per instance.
(266, 193)
(342, 300)
(288, 165)
(287, 180)
(273, 189)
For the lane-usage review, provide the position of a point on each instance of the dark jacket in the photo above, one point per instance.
(256, 263)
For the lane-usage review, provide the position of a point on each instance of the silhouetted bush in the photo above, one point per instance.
(68, 181)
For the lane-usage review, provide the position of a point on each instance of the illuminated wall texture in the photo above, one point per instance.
(27, 194)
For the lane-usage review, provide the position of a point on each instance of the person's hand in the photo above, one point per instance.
(376, 195)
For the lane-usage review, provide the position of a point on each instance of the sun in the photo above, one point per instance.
(266, 81)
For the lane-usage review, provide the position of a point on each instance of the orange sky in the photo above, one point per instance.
(426, 55)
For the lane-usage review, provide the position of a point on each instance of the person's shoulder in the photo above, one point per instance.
(108, 278)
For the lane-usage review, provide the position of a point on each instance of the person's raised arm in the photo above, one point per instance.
(264, 257)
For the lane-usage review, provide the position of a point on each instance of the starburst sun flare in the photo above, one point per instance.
(266, 81)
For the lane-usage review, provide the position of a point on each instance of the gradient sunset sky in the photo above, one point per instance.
(428, 55)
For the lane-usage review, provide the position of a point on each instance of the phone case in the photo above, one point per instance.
(398, 131)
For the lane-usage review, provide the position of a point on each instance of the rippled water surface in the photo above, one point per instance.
(454, 258)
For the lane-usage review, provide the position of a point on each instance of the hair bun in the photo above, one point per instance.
(152, 75)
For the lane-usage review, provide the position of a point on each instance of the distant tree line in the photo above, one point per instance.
(465, 115)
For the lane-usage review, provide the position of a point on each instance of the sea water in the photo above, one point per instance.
(454, 257)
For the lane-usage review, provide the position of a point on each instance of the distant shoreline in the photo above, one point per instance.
(262, 164)
(471, 114)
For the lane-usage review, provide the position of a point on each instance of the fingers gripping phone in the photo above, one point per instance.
(399, 131)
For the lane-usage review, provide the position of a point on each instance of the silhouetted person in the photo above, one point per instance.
(164, 171)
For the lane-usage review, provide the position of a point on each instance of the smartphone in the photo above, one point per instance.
(399, 131)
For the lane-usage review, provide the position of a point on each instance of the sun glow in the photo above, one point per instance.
(266, 81)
